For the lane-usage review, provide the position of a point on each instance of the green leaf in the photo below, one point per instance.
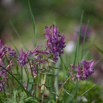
(16, 80)
(98, 49)
(78, 42)
(52, 67)
(30, 85)
(84, 39)
(31, 100)
(88, 91)
(34, 26)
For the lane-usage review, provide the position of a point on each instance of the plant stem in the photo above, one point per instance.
(62, 88)
(10, 71)
(32, 78)
(44, 82)
(37, 84)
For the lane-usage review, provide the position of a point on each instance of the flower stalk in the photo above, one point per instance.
(62, 89)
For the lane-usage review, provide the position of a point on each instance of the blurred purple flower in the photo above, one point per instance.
(43, 52)
(34, 51)
(55, 42)
(11, 52)
(78, 75)
(83, 28)
(72, 76)
(41, 61)
(22, 58)
(37, 57)
(84, 69)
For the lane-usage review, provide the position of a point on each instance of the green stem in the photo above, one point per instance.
(62, 88)
(16, 80)
(44, 82)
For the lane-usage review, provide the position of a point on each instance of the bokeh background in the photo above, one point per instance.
(66, 14)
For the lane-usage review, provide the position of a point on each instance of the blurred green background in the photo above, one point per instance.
(65, 13)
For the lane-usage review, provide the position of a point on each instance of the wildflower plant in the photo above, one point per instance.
(39, 66)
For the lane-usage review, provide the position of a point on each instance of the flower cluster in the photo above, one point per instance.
(53, 48)
(84, 69)
(55, 42)
(22, 58)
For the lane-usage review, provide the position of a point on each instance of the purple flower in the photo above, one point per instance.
(83, 28)
(22, 58)
(34, 51)
(55, 42)
(72, 76)
(84, 69)
(41, 61)
(11, 52)
(1, 53)
(37, 57)
(43, 52)
(78, 75)
(3, 48)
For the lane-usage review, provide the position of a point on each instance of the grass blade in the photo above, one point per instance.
(17, 34)
(88, 91)
(98, 49)
(84, 39)
(34, 26)
(89, 48)
(15, 47)
(78, 41)
(17, 81)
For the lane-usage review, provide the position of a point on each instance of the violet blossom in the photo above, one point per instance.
(84, 69)
(22, 58)
(55, 42)
(11, 52)
(37, 57)
(34, 51)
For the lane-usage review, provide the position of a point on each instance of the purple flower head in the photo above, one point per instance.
(34, 51)
(41, 61)
(83, 28)
(55, 42)
(3, 48)
(37, 57)
(22, 58)
(1, 53)
(43, 52)
(84, 69)
(87, 68)
(11, 52)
